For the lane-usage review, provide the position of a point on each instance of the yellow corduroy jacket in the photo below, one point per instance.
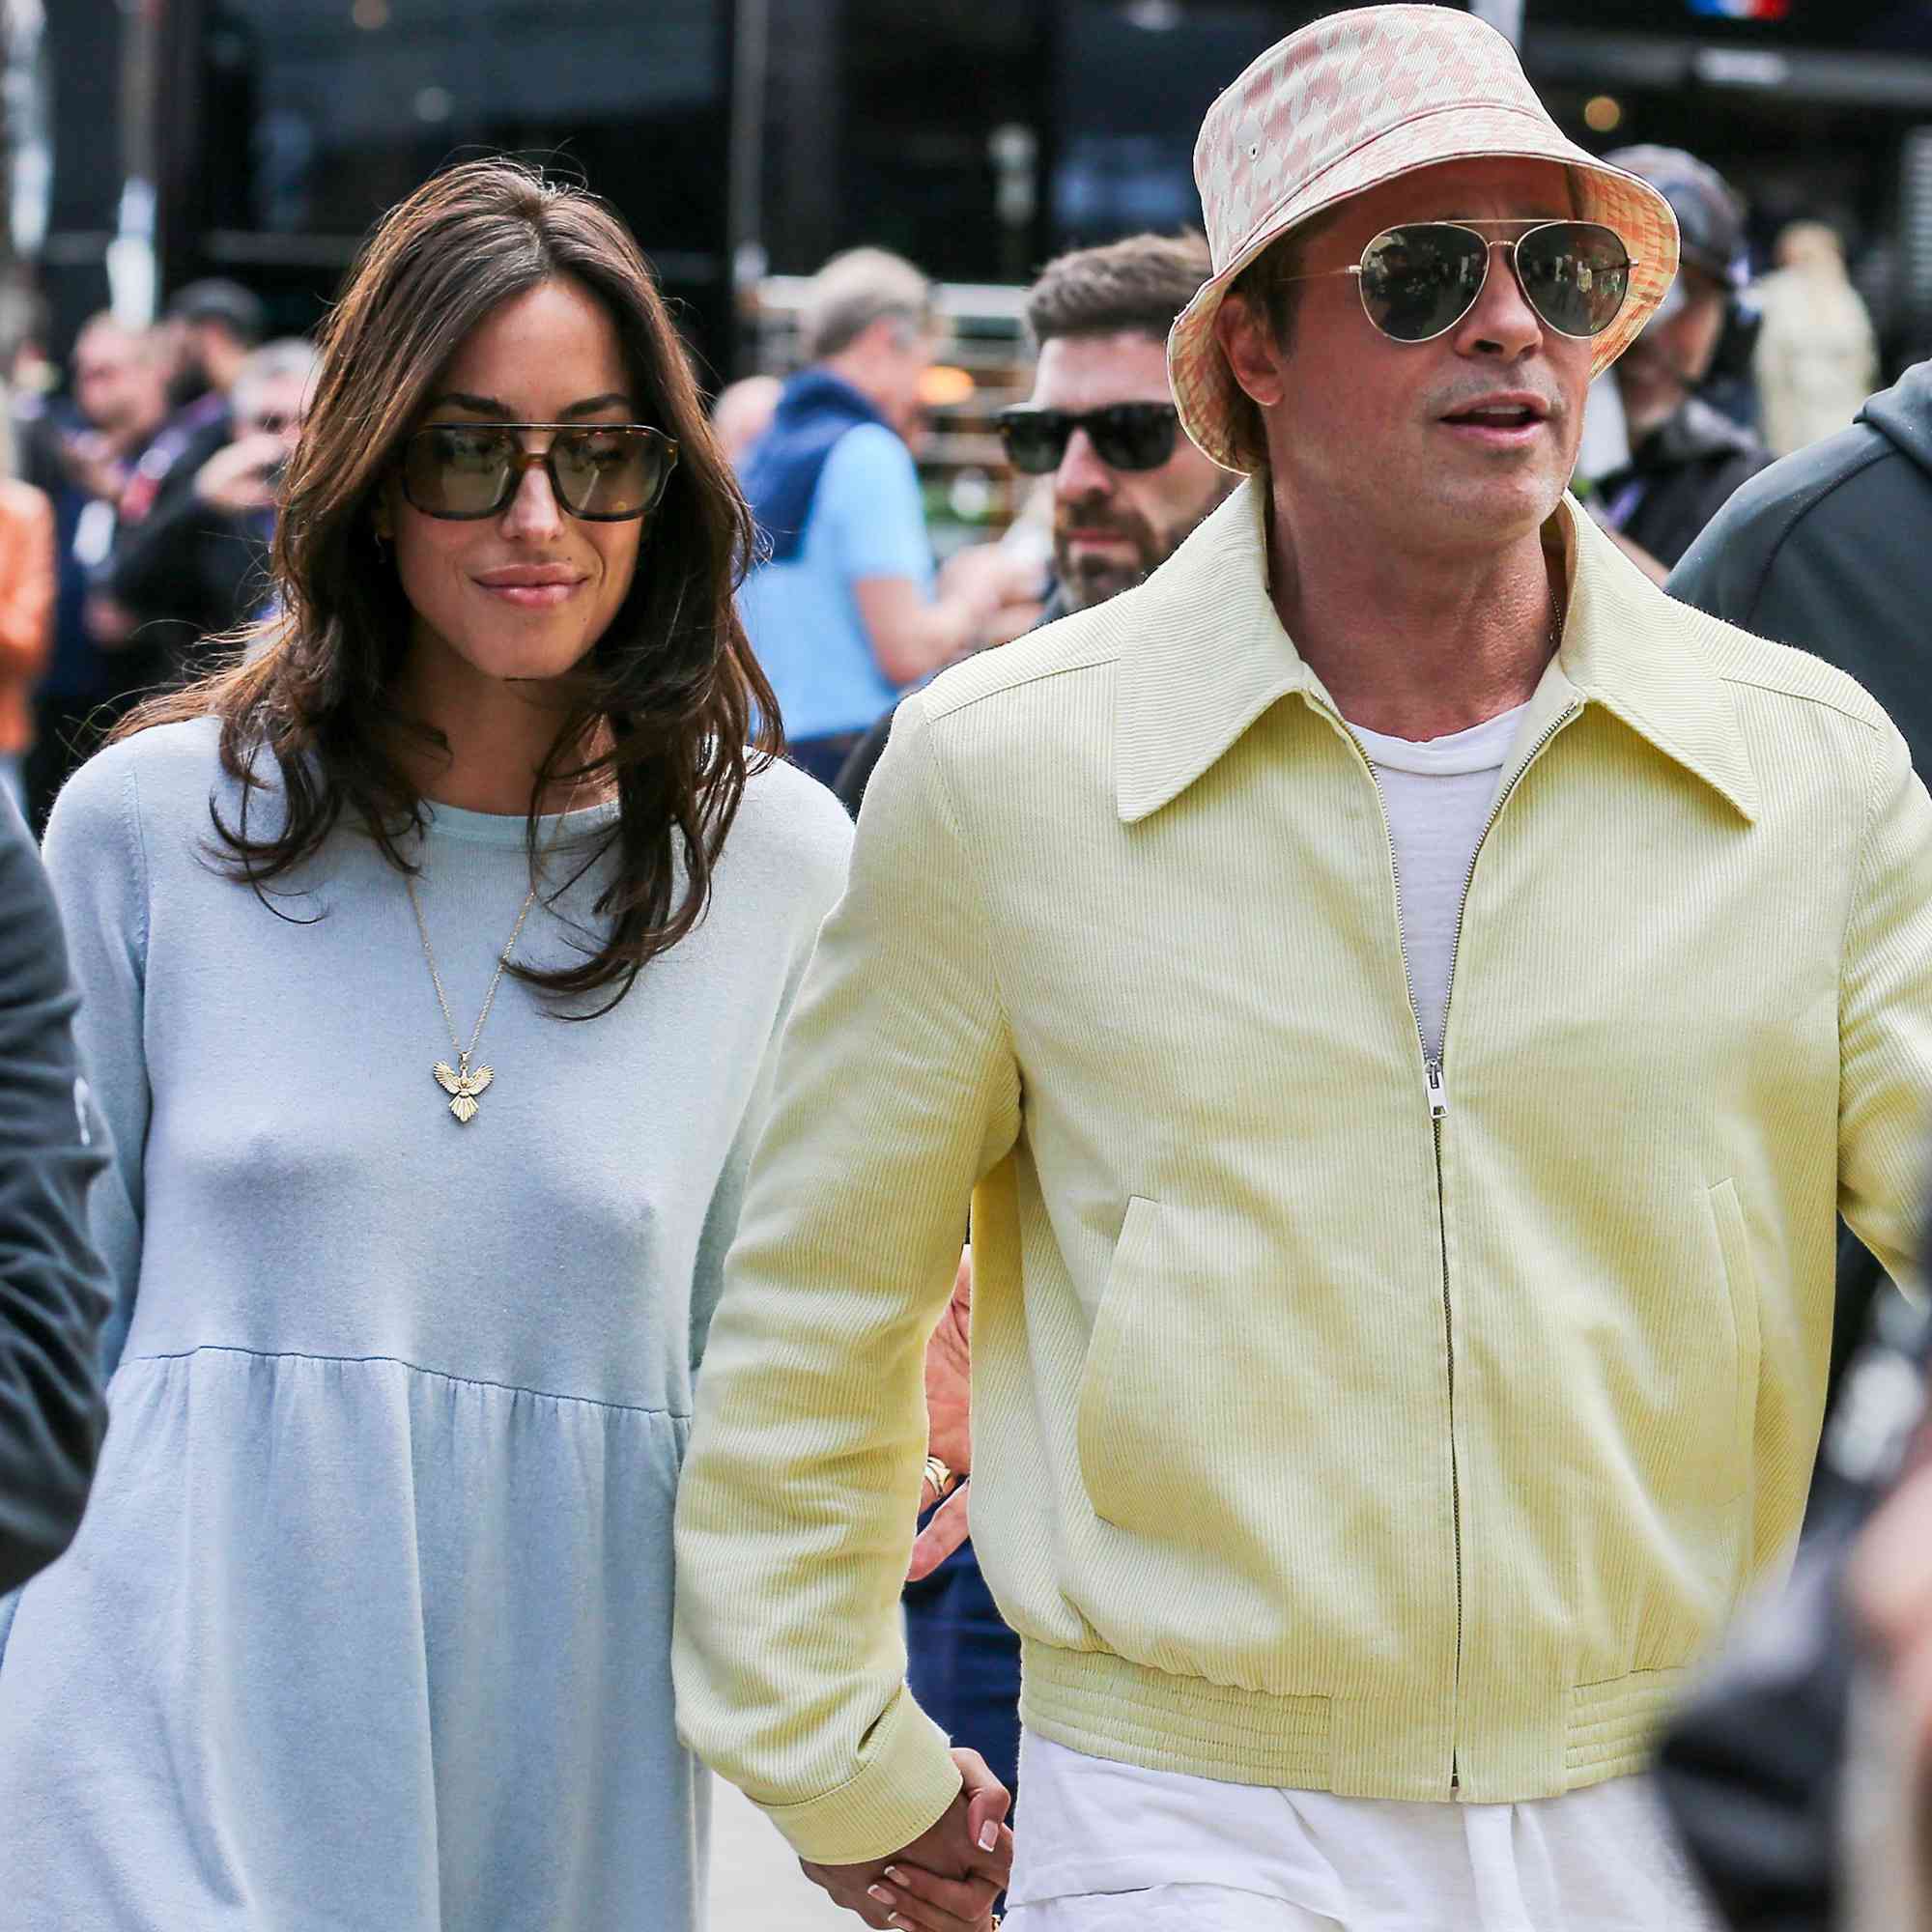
(1341, 1422)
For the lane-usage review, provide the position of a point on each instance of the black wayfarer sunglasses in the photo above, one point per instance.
(1419, 280)
(603, 472)
(1126, 435)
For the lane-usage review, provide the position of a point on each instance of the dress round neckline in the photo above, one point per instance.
(508, 827)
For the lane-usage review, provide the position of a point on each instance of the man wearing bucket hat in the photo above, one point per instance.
(1407, 998)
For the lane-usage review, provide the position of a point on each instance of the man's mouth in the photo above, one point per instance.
(1497, 416)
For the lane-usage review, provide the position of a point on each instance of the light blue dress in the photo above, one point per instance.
(368, 1625)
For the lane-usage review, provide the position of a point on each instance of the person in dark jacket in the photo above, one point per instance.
(204, 551)
(1687, 457)
(54, 1292)
(1830, 549)
(83, 452)
(151, 605)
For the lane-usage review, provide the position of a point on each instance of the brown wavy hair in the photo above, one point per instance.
(688, 711)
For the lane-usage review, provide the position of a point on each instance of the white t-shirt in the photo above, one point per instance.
(1438, 795)
(1600, 1859)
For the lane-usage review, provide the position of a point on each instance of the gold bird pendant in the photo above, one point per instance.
(464, 1085)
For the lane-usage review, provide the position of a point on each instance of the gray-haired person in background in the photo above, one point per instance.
(846, 612)
(53, 1295)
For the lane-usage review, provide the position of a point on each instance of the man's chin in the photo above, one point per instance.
(1087, 583)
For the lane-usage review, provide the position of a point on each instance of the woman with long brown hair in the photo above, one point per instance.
(433, 960)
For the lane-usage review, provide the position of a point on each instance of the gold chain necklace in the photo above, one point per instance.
(461, 1082)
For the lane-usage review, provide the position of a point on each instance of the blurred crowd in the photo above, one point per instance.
(141, 479)
(137, 526)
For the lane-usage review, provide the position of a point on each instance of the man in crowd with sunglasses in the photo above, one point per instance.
(1127, 486)
(1408, 997)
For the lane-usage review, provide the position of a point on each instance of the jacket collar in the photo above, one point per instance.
(1203, 655)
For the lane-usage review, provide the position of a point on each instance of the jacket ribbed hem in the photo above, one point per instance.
(1395, 1746)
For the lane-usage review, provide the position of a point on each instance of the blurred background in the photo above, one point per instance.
(149, 143)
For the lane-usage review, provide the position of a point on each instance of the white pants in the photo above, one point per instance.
(1106, 1847)
(1165, 1908)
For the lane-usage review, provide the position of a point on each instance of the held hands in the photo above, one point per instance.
(949, 1423)
(948, 1878)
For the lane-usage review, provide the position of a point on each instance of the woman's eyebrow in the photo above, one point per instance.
(478, 406)
(489, 406)
(594, 404)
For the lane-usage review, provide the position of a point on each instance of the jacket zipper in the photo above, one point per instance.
(1437, 1090)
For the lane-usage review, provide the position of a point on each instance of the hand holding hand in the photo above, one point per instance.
(948, 1878)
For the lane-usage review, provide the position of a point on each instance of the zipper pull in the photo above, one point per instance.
(1439, 1091)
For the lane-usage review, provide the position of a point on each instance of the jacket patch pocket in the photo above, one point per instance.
(1147, 1390)
(1741, 1297)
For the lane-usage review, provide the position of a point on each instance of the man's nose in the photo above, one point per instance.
(1081, 473)
(1502, 322)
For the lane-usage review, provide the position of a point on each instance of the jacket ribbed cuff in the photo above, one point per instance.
(908, 1780)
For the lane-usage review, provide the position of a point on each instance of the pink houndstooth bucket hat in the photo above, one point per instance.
(1348, 103)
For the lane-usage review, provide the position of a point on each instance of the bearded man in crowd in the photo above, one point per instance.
(1127, 485)
(1406, 997)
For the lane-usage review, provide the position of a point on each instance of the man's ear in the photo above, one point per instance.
(1247, 341)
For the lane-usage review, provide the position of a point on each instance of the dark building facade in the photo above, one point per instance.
(742, 137)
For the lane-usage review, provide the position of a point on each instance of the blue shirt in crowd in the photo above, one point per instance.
(867, 520)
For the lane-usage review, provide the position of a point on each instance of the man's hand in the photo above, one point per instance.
(88, 457)
(241, 477)
(945, 1531)
(109, 624)
(948, 1878)
(949, 1423)
(948, 1376)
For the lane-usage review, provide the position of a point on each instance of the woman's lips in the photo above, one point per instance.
(533, 596)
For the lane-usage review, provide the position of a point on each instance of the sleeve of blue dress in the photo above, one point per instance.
(53, 1294)
(95, 858)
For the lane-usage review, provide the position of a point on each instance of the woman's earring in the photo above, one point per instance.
(382, 542)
